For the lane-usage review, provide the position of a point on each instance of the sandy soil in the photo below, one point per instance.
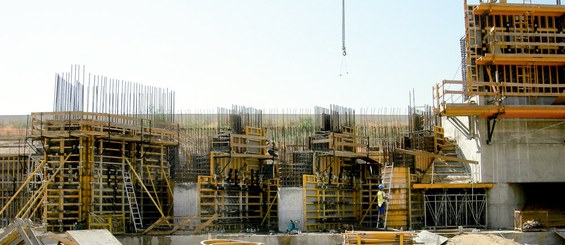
(476, 239)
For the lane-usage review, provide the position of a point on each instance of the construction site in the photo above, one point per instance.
(482, 159)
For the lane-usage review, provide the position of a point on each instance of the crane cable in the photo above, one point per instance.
(343, 27)
(344, 58)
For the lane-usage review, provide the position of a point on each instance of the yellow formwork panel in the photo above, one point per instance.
(328, 207)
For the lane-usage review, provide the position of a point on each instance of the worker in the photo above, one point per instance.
(381, 196)
(273, 150)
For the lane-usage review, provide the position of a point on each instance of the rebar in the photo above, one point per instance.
(77, 91)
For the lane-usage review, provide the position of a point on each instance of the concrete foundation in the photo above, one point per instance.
(290, 207)
(502, 200)
(186, 199)
(521, 151)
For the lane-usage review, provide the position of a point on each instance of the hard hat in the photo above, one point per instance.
(380, 186)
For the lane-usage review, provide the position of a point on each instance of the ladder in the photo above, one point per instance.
(132, 201)
(37, 180)
(387, 184)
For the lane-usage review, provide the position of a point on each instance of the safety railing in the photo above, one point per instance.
(454, 92)
(540, 44)
(50, 123)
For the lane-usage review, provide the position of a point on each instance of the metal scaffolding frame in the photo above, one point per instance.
(447, 210)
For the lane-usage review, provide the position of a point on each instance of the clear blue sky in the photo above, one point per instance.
(264, 54)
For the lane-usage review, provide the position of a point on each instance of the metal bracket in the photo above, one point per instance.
(467, 131)
(490, 128)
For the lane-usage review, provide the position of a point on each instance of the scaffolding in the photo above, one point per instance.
(13, 173)
(338, 195)
(514, 58)
(445, 209)
(241, 188)
(77, 179)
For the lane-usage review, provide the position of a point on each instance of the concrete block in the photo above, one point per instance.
(290, 207)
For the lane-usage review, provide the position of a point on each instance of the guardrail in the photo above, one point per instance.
(456, 92)
(52, 123)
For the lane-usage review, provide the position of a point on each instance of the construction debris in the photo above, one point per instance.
(483, 239)
(92, 237)
(429, 238)
(378, 237)
(24, 231)
(19, 231)
(228, 242)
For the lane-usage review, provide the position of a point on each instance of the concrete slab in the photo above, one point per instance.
(93, 237)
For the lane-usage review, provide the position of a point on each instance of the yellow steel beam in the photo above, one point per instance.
(508, 111)
(521, 59)
(519, 9)
(452, 185)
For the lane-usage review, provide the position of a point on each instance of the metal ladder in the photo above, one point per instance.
(387, 184)
(132, 201)
(37, 179)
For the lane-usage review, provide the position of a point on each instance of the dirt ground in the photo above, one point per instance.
(476, 239)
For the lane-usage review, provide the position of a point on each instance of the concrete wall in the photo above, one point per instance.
(502, 200)
(290, 206)
(185, 199)
(524, 151)
(521, 151)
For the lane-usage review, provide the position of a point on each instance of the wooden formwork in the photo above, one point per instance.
(398, 201)
(342, 194)
(237, 208)
(345, 142)
(240, 189)
(270, 220)
(510, 50)
(328, 206)
(85, 156)
(13, 172)
(367, 202)
(524, 220)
